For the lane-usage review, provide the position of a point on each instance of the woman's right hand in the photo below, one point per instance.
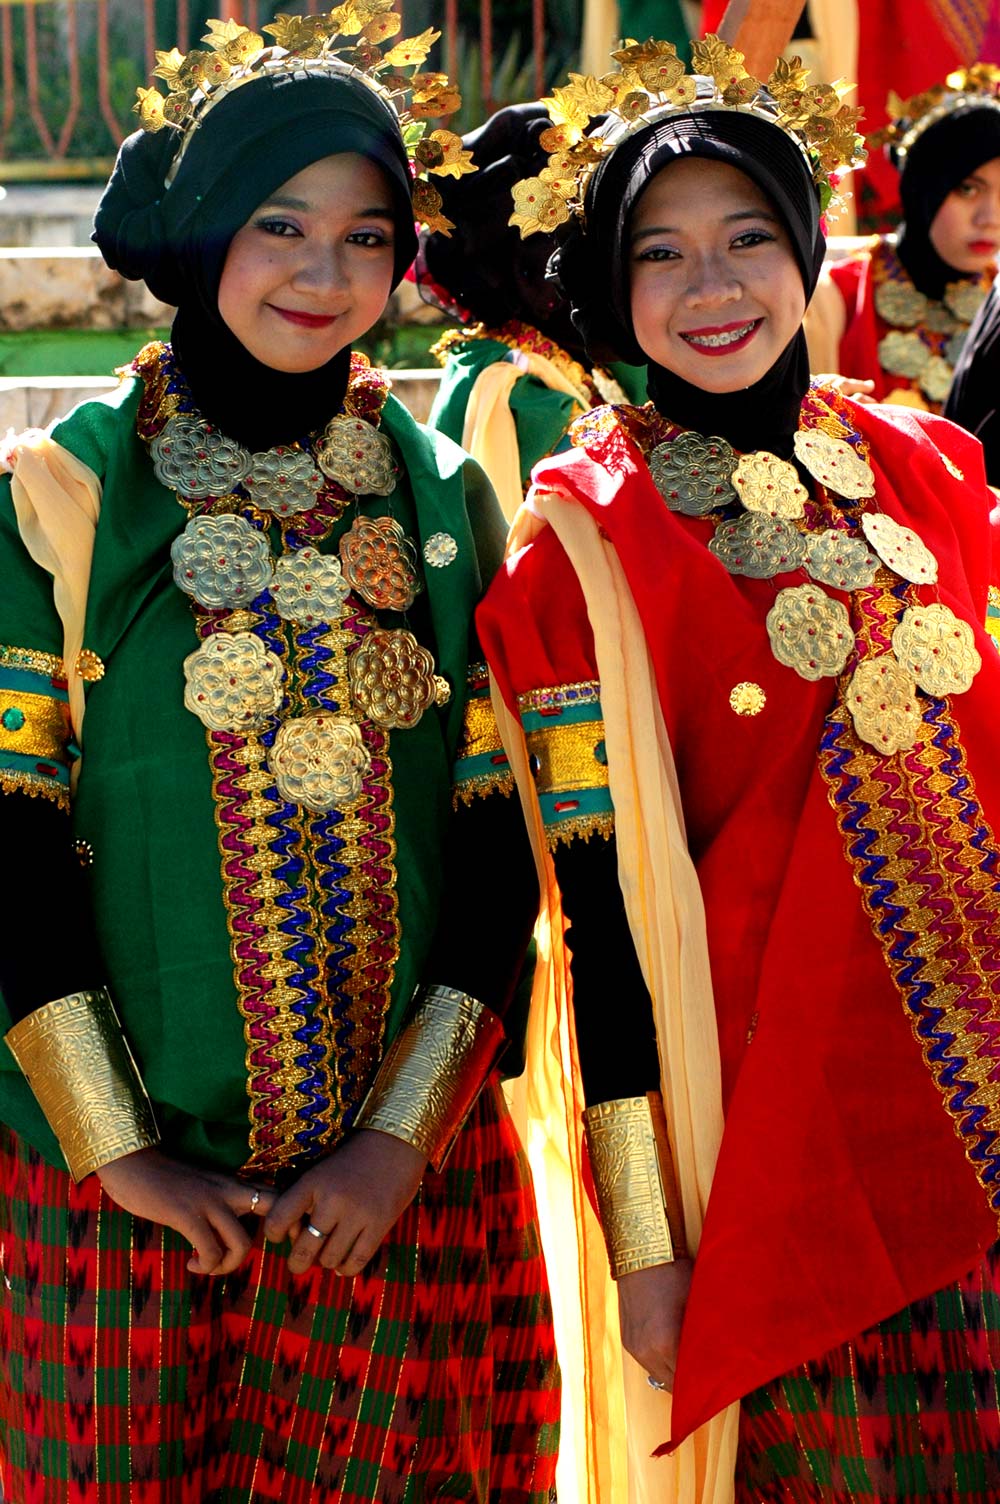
(651, 1307)
(203, 1205)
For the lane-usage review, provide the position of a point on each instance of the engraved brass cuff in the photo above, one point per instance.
(78, 1063)
(433, 1072)
(636, 1188)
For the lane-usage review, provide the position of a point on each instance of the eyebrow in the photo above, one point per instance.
(285, 201)
(737, 217)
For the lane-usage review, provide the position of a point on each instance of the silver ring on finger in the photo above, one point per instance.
(314, 1232)
(254, 1200)
(656, 1383)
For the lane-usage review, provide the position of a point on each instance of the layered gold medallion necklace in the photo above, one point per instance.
(760, 508)
(223, 560)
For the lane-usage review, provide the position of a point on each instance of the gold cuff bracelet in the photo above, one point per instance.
(78, 1063)
(636, 1188)
(433, 1071)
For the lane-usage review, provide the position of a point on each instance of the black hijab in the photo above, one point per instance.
(974, 398)
(593, 266)
(175, 238)
(945, 154)
(483, 270)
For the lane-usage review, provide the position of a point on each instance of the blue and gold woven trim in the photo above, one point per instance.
(993, 615)
(564, 729)
(481, 765)
(36, 748)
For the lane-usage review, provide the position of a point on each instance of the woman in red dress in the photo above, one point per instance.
(897, 313)
(750, 701)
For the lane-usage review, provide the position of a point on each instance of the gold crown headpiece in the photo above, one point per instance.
(908, 118)
(651, 84)
(348, 39)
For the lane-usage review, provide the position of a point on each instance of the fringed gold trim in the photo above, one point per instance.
(580, 826)
(480, 788)
(36, 786)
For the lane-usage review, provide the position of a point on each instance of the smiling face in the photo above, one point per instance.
(312, 268)
(965, 231)
(716, 292)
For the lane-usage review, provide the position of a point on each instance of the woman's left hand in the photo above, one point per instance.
(351, 1199)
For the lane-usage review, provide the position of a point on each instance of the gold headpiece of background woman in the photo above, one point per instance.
(977, 85)
(349, 38)
(650, 84)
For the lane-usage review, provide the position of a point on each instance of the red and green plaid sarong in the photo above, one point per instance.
(126, 1380)
(908, 1411)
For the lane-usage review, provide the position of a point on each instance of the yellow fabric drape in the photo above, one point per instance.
(57, 501)
(613, 1419)
(490, 435)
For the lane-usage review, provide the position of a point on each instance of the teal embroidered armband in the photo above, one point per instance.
(564, 729)
(481, 765)
(36, 748)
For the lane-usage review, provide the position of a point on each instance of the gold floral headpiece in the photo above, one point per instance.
(651, 84)
(909, 118)
(348, 39)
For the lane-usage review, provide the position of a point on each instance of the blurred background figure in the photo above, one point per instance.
(897, 311)
(974, 399)
(515, 373)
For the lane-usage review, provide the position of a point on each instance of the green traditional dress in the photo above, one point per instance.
(280, 709)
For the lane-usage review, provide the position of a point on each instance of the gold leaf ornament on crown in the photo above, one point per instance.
(350, 39)
(651, 84)
(976, 86)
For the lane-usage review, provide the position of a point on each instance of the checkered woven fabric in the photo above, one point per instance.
(910, 1410)
(126, 1380)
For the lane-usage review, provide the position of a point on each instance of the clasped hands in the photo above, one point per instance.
(336, 1213)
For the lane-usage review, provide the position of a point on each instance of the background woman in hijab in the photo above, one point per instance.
(257, 574)
(897, 313)
(746, 692)
(518, 375)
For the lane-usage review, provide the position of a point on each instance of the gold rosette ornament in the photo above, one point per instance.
(392, 679)
(320, 761)
(810, 632)
(758, 546)
(901, 304)
(379, 562)
(356, 456)
(233, 682)
(693, 473)
(902, 354)
(834, 558)
(884, 705)
(834, 463)
(900, 549)
(769, 486)
(937, 649)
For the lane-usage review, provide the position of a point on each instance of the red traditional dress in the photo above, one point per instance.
(851, 898)
(905, 342)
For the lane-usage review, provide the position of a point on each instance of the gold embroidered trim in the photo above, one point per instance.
(44, 729)
(580, 827)
(557, 696)
(33, 661)
(480, 734)
(568, 757)
(35, 785)
(480, 787)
